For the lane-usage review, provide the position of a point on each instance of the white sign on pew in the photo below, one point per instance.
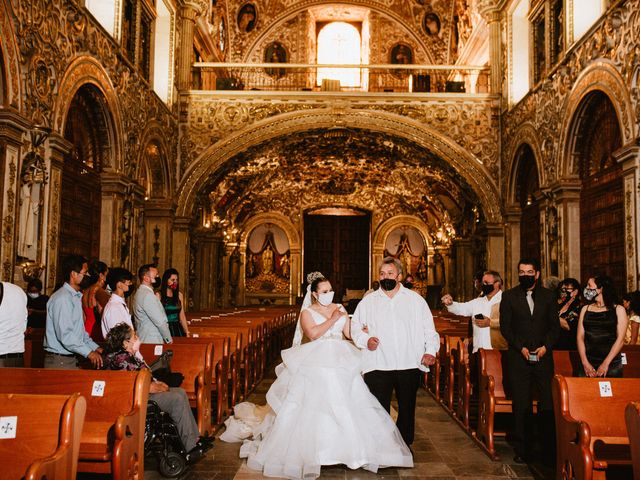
(98, 388)
(8, 427)
(605, 389)
(157, 350)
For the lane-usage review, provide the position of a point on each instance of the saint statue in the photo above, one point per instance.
(267, 260)
(29, 220)
(284, 265)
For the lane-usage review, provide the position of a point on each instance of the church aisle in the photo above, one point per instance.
(442, 452)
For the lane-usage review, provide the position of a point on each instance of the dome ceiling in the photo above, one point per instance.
(341, 168)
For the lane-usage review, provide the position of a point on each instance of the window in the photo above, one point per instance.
(519, 68)
(339, 43)
(162, 53)
(144, 49)
(557, 30)
(585, 13)
(129, 28)
(104, 12)
(539, 47)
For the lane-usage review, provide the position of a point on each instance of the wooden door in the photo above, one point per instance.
(338, 246)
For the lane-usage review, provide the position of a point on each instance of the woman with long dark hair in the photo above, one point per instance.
(569, 304)
(94, 298)
(173, 303)
(601, 329)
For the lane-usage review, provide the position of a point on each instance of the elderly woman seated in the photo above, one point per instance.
(122, 346)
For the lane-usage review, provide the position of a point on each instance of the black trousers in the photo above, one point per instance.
(382, 383)
(523, 376)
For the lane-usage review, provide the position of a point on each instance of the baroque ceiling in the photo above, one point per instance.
(342, 167)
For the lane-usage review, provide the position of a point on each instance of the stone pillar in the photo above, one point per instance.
(512, 247)
(496, 247)
(205, 275)
(181, 252)
(493, 16)
(629, 157)
(189, 10)
(114, 189)
(12, 129)
(567, 202)
(58, 147)
(158, 220)
(464, 265)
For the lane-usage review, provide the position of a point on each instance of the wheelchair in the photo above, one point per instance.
(162, 441)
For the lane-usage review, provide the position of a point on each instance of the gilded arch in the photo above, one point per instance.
(10, 57)
(603, 77)
(385, 228)
(464, 162)
(87, 71)
(162, 183)
(525, 135)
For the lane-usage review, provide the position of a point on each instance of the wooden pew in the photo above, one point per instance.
(195, 362)
(568, 364)
(493, 396)
(47, 435)
(450, 371)
(464, 387)
(34, 347)
(112, 438)
(632, 420)
(590, 428)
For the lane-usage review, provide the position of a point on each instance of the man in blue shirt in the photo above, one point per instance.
(65, 337)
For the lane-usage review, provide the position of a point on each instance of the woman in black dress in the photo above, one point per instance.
(601, 329)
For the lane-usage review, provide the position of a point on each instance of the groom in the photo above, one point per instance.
(394, 327)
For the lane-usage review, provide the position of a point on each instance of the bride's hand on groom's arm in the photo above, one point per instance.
(373, 343)
(428, 360)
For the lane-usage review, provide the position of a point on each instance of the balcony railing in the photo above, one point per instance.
(341, 78)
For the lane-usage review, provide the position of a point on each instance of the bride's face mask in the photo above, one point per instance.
(324, 295)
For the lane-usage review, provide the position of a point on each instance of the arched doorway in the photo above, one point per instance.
(528, 198)
(80, 216)
(601, 201)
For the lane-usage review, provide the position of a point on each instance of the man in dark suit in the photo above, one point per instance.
(529, 323)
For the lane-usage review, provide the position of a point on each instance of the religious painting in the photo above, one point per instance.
(275, 53)
(247, 18)
(401, 54)
(268, 261)
(431, 24)
(409, 247)
(539, 48)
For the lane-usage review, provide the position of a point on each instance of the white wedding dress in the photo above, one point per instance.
(323, 414)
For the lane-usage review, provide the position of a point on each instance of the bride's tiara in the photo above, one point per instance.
(314, 276)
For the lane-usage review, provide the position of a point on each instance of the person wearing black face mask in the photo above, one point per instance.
(152, 325)
(394, 327)
(479, 309)
(116, 310)
(529, 323)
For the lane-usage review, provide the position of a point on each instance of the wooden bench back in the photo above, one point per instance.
(122, 393)
(580, 399)
(632, 420)
(494, 363)
(47, 435)
(566, 363)
(189, 359)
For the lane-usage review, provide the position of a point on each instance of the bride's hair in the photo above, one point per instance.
(314, 286)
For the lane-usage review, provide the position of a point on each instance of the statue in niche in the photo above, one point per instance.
(267, 260)
(251, 268)
(421, 270)
(29, 219)
(438, 269)
(285, 266)
(234, 267)
(247, 18)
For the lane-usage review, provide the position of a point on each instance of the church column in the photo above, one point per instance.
(180, 252)
(114, 187)
(158, 220)
(464, 264)
(629, 157)
(491, 12)
(12, 129)
(512, 248)
(189, 10)
(496, 247)
(567, 202)
(58, 147)
(207, 245)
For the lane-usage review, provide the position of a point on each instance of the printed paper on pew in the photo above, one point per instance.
(98, 388)
(157, 350)
(605, 389)
(8, 427)
(195, 335)
(624, 358)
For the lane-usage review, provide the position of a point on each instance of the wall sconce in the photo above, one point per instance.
(34, 169)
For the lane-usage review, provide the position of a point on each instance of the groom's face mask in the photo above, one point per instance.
(388, 276)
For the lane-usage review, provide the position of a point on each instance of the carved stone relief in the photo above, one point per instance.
(610, 54)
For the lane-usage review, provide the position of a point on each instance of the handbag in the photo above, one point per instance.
(161, 370)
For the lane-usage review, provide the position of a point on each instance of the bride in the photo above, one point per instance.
(322, 411)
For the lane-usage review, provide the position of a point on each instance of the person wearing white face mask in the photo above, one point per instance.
(322, 411)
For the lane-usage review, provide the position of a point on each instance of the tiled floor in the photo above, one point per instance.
(442, 452)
